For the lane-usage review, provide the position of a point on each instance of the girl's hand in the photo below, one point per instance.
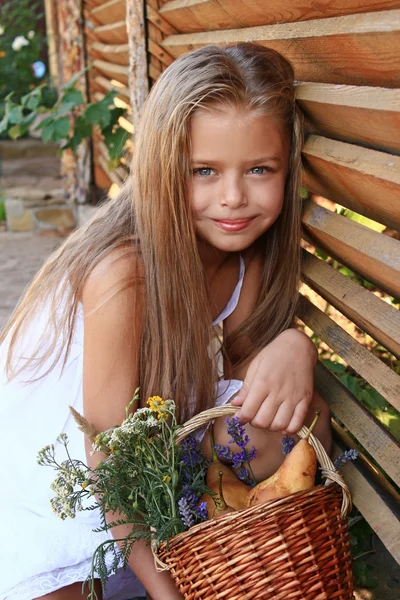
(278, 387)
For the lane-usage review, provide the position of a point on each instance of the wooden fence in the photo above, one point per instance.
(346, 56)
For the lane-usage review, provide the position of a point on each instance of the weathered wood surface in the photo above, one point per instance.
(202, 15)
(376, 440)
(112, 53)
(109, 12)
(354, 177)
(383, 519)
(374, 256)
(112, 33)
(154, 17)
(341, 112)
(105, 84)
(138, 82)
(356, 50)
(373, 370)
(112, 70)
(373, 315)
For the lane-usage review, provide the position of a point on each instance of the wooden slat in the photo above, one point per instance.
(116, 54)
(160, 53)
(354, 177)
(112, 33)
(112, 70)
(106, 84)
(373, 255)
(372, 436)
(342, 111)
(154, 36)
(109, 12)
(382, 518)
(373, 370)
(154, 73)
(355, 50)
(201, 15)
(378, 318)
(154, 17)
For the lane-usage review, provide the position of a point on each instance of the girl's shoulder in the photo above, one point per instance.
(254, 263)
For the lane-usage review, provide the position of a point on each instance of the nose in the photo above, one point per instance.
(233, 193)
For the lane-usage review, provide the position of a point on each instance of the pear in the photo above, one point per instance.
(235, 491)
(296, 473)
(216, 504)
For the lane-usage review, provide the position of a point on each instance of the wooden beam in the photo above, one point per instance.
(154, 17)
(382, 518)
(116, 54)
(341, 111)
(378, 318)
(138, 67)
(112, 70)
(354, 177)
(109, 12)
(160, 53)
(106, 84)
(201, 15)
(373, 255)
(372, 436)
(356, 50)
(112, 33)
(373, 370)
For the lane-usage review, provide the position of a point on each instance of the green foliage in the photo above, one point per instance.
(70, 120)
(2, 211)
(361, 536)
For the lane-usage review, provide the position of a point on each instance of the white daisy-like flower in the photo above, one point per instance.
(1, 30)
(31, 34)
(19, 42)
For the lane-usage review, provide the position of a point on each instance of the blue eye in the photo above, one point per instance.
(202, 172)
(261, 170)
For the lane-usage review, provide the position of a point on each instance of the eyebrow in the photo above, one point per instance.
(248, 162)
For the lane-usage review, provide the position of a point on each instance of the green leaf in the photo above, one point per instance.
(70, 99)
(4, 123)
(71, 83)
(15, 131)
(82, 127)
(115, 142)
(97, 114)
(61, 129)
(353, 216)
(44, 123)
(335, 367)
(15, 114)
(48, 131)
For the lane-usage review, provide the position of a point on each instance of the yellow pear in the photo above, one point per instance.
(235, 491)
(216, 504)
(296, 473)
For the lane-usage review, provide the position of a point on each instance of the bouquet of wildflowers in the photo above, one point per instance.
(150, 482)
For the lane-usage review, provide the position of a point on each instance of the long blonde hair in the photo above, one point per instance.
(152, 211)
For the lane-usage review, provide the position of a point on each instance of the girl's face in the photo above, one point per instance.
(239, 164)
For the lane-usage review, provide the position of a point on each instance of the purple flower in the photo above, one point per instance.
(186, 512)
(201, 511)
(287, 444)
(245, 476)
(345, 457)
(237, 432)
(224, 452)
(191, 452)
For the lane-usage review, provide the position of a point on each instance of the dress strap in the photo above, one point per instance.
(234, 299)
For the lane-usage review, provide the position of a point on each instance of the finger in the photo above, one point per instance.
(265, 413)
(244, 391)
(298, 417)
(282, 417)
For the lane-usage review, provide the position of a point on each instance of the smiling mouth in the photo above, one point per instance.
(233, 224)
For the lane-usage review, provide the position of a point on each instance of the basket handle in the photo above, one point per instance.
(328, 469)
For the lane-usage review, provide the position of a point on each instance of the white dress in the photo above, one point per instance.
(39, 552)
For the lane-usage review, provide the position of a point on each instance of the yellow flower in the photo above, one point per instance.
(2, 53)
(166, 478)
(156, 403)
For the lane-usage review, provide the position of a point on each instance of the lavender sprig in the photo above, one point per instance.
(287, 444)
(345, 457)
(237, 432)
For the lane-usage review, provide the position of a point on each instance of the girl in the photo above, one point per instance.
(206, 232)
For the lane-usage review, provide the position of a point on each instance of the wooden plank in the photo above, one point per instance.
(112, 33)
(373, 255)
(154, 35)
(115, 54)
(373, 370)
(112, 70)
(355, 50)
(154, 72)
(106, 84)
(376, 440)
(160, 53)
(354, 177)
(138, 75)
(154, 17)
(378, 318)
(341, 112)
(201, 15)
(109, 12)
(382, 518)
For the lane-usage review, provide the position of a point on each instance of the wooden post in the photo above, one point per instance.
(138, 70)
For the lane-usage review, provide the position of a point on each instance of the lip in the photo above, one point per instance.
(233, 224)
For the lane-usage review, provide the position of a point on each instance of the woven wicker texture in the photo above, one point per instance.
(296, 547)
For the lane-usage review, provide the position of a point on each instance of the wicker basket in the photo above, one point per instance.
(296, 547)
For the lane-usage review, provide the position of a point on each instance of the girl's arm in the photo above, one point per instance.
(278, 389)
(112, 303)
